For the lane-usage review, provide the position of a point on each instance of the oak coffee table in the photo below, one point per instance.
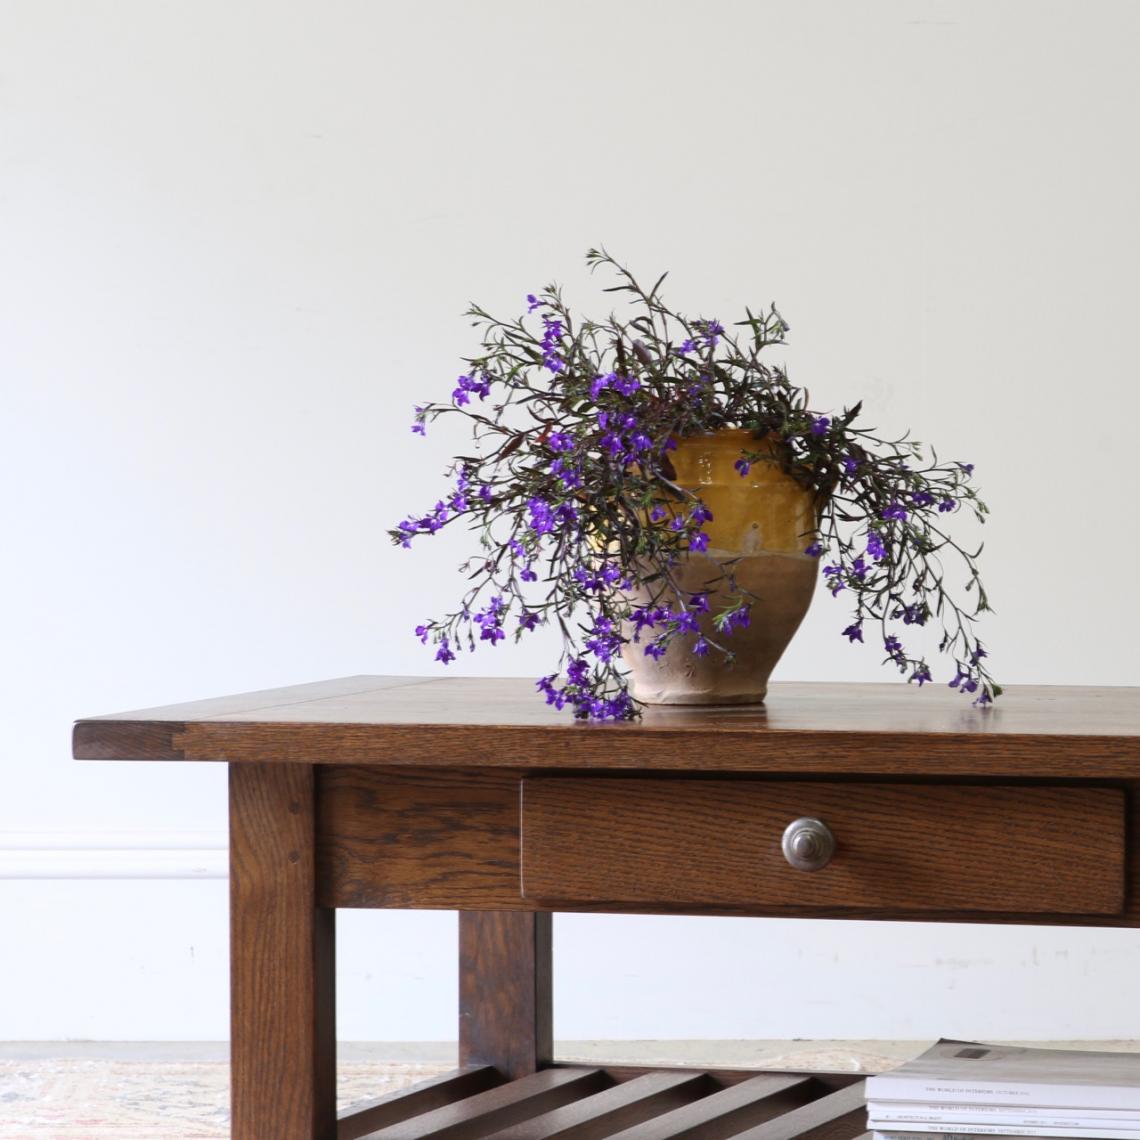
(838, 801)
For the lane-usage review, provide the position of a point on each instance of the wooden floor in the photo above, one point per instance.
(576, 1102)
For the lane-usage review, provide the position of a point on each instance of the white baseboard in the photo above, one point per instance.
(112, 855)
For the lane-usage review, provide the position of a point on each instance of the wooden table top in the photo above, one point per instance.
(804, 728)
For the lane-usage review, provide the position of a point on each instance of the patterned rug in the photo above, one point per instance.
(125, 1100)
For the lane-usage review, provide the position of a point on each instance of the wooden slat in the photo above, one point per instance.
(839, 1116)
(283, 1053)
(727, 1112)
(724, 1078)
(907, 846)
(366, 1116)
(505, 991)
(608, 1112)
(498, 1108)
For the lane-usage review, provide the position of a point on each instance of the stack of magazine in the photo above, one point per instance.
(961, 1089)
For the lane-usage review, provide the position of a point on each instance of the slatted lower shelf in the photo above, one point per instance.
(573, 1102)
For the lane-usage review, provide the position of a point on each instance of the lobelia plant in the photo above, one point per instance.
(573, 495)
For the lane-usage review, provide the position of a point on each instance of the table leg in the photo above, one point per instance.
(505, 1009)
(283, 1051)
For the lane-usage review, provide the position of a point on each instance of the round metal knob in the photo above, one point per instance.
(808, 844)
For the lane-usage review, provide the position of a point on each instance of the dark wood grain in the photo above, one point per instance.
(822, 1082)
(283, 1051)
(577, 1102)
(433, 838)
(505, 991)
(372, 791)
(379, 1112)
(728, 1111)
(841, 1115)
(498, 1108)
(820, 728)
(910, 847)
(412, 838)
(612, 1110)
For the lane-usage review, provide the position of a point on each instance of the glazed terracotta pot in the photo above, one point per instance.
(763, 521)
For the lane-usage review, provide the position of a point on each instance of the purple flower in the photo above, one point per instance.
(532, 302)
(699, 603)
(813, 551)
(569, 477)
(712, 331)
(921, 675)
(612, 443)
(967, 467)
(947, 505)
(422, 632)
(657, 514)
(742, 466)
(551, 335)
(528, 575)
(738, 618)
(560, 441)
(644, 617)
(977, 655)
(915, 614)
(850, 466)
(701, 647)
(418, 427)
(529, 619)
(604, 643)
(639, 441)
(701, 514)
(983, 699)
(685, 621)
(820, 424)
(599, 384)
(894, 648)
(894, 511)
(875, 547)
(626, 385)
(444, 654)
(921, 498)
(854, 632)
(541, 516)
(859, 568)
(655, 650)
(699, 541)
(685, 347)
(467, 385)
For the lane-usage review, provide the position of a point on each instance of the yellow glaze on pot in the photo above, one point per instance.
(763, 511)
(762, 523)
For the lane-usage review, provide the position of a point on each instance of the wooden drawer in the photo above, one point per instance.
(899, 847)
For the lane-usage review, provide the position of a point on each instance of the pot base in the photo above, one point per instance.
(781, 588)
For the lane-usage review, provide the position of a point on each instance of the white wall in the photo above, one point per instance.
(236, 240)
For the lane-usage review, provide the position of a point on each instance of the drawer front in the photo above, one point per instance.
(905, 847)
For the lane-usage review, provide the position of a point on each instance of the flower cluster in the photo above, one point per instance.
(582, 525)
